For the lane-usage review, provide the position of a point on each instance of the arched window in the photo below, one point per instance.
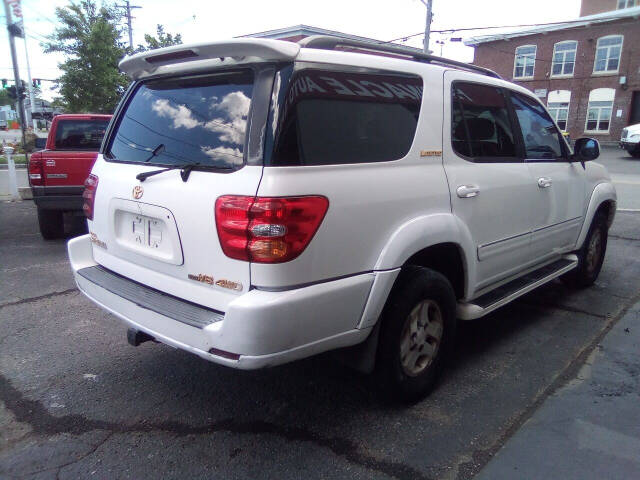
(564, 58)
(525, 61)
(558, 106)
(599, 110)
(608, 53)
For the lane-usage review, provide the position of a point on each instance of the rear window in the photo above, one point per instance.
(333, 117)
(80, 134)
(199, 119)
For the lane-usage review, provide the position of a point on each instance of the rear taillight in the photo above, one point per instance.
(89, 195)
(36, 170)
(267, 229)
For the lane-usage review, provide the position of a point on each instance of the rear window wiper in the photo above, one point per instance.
(185, 170)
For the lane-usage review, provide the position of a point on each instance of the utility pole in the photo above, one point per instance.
(427, 27)
(13, 6)
(128, 7)
(32, 101)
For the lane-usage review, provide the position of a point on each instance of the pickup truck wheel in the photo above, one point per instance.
(417, 331)
(51, 224)
(635, 153)
(590, 255)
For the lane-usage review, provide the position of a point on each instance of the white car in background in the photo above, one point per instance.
(259, 201)
(630, 140)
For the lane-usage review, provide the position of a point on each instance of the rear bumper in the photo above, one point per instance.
(58, 198)
(258, 329)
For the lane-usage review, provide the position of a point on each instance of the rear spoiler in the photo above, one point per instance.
(141, 64)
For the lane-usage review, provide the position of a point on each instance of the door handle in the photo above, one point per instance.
(544, 182)
(467, 191)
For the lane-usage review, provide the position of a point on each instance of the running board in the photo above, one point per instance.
(510, 291)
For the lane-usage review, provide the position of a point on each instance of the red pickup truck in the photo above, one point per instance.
(57, 173)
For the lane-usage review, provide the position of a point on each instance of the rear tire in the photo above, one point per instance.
(417, 332)
(635, 153)
(51, 224)
(591, 254)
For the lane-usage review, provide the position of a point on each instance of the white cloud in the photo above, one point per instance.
(226, 154)
(235, 107)
(180, 115)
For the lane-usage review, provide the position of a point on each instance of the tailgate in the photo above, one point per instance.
(167, 239)
(66, 168)
(196, 134)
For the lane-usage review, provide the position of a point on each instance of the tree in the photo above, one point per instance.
(4, 98)
(161, 39)
(89, 37)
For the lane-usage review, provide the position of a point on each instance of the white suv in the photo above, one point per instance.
(630, 140)
(259, 201)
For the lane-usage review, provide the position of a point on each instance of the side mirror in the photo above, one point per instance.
(586, 149)
(41, 143)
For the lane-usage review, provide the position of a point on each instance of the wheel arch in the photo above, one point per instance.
(420, 241)
(603, 199)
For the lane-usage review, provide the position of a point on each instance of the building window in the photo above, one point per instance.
(525, 61)
(599, 110)
(608, 54)
(627, 4)
(564, 58)
(558, 106)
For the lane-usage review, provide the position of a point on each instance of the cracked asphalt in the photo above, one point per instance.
(76, 401)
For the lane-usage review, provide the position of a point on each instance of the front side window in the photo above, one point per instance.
(334, 117)
(199, 119)
(80, 134)
(540, 135)
(608, 54)
(525, 61)
(481, 127)
(564, 58)
(599, 110)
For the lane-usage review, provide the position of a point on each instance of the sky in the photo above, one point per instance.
(202, 20)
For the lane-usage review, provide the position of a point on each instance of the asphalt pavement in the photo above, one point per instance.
(76, 401)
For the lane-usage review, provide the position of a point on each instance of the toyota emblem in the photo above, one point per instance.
(137, 191)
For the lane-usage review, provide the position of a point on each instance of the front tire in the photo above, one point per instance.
(635, 153)
(417, 332)
(51, 224)
(591, 254)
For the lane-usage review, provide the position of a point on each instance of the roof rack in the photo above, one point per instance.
(326, 42)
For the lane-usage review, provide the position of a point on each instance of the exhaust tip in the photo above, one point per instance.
(136, 337)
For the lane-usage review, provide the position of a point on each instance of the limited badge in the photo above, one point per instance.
(430, 153)
(137, 192)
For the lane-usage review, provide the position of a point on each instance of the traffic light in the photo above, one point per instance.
(14, 92)
(22, 91)
(36, 82)
(16, 30)
(4, 83)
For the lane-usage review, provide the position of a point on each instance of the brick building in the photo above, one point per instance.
(586, 71)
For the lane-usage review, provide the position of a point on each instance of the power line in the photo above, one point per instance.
(466, 29)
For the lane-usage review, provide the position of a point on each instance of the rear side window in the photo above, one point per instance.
(540, 135)
(481, 127)
(335, 117)
(80, 134)
(173, 121)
